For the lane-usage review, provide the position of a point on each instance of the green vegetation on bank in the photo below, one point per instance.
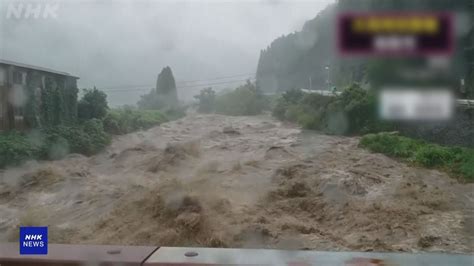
(52, 142)
(89, 128)
(93, 104)
(354, 112)
(244, 100)
(126, 120)
(87, 138)
(457, 161)
(351, 112)
(90, 136)
(206, 100)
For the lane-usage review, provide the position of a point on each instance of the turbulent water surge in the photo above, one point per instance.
(219, 181)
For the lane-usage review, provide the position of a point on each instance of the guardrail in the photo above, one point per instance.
(322, 92)
(74, 255)
(85, 255)
(466, 103)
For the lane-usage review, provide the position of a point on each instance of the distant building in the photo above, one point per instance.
(24, 89)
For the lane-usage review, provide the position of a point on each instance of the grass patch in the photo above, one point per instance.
(456, 160)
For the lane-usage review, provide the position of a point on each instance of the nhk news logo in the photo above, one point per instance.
(33, 240)
(19, 10)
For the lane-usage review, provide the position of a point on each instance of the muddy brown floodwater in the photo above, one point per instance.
(219, 181)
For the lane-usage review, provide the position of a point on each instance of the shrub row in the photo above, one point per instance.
(52, 143)
(456, 160)
(244, 100)
(126, 120)
(88, 138)
(351, 112)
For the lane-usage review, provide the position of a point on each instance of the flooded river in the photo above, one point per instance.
(220, 181)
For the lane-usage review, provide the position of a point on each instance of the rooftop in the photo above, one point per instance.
(44, 69)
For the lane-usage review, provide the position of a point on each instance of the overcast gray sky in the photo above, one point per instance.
(123, 44)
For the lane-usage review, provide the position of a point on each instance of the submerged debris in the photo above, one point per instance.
(172, 155)
(230, 130)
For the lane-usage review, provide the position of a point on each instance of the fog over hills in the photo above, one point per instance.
(122, 45)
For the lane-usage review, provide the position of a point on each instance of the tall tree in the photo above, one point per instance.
(164, 95)
(166, 87)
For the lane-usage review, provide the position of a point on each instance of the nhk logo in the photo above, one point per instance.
(31, 10)
(33, 237)
(33, 240)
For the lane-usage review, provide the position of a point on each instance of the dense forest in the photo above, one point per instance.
(309, 58)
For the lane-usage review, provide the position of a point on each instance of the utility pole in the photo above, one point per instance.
(327, 77)
(310, 84)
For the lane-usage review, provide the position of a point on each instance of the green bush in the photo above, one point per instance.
(269, 101)
(126, 120)
(244, 100)
(99, 139)
(61, 140)
(93, 104)
(293, 112)
(352, 112)
(466, 167)
(279, 109)
(433, 155)
(174, 113)
(53, 143)
(207, 100)
(88, 138)
(305, 109)
(15, 148)
(358, 107)
(310, 120)
(285, 101)
(457, 160)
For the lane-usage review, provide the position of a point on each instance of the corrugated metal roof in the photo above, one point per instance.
(44, 69)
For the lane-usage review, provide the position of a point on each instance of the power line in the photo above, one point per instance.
(106, 88)
(217, 83)
(131, 89)
(234, 76)
(125, 90)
